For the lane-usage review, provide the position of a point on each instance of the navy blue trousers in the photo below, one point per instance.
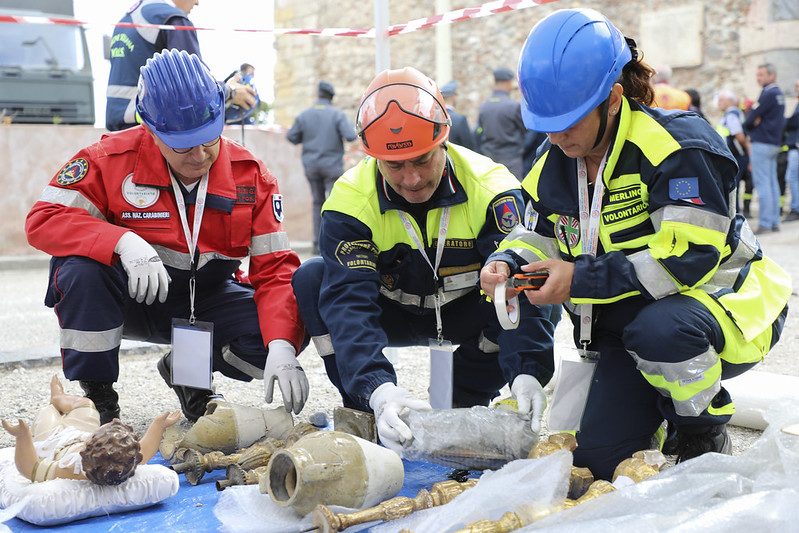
(477, 375)
(90, 297)
(623, 410)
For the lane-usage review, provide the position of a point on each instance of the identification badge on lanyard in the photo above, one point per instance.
(441, 368)
(572, 387)
(192, 350)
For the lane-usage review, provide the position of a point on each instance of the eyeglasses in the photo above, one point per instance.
(206, 145)
(411, 99)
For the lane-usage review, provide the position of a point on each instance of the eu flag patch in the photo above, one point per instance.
(685, 189)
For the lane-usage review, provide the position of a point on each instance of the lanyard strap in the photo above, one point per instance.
(193, 235)
(417, 241)
(589, 231)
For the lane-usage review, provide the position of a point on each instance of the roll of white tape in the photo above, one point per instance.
(507, 319)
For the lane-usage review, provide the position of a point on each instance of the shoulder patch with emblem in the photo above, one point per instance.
(530, 217)
(72, 172)
(506, 213)
(277, 206)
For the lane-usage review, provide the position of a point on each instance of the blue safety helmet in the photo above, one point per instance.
(567, 67)
(180, 100)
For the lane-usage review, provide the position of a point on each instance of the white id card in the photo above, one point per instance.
(572, 386)
(192, 349)
(440, 374)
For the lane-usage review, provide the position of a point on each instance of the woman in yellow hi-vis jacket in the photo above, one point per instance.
(631, 211)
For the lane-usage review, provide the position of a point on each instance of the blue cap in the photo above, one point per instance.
(503, 74)
(326, 88)
(449, 88)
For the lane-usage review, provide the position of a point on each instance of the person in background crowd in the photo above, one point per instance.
(460, 133)
(765, 124)
(666, 96)
(322, 130)
(792, 169)
(147, 226)
(730, 127)
(132, 46)
(696, 103)
(500, 131)
(630, 214)
(404, 234)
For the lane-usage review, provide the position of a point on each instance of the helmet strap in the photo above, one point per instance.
(603, 121)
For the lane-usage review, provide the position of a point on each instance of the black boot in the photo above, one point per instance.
(695, 441)
(192, 401)
(105, 398)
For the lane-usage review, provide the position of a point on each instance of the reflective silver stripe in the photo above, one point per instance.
(130, 112)
(684, 373)
(414, 300)
(70, 198)
(547, 245)
(648, 270)
(148, 34)
(693, 216)
(182, 260)
(127, 93)
(121, 91)
(270, 243)
(91, 341)
(486, 346)
(652, 275)
(323, 344)
(728, 271)
(240, 364)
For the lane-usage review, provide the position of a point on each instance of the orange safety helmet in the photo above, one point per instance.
(402, 115)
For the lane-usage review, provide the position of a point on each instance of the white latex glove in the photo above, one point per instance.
(147, 275)
(282, 365)
(530, 399)
(388, 401)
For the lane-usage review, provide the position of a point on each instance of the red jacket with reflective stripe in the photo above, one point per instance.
(122, 183)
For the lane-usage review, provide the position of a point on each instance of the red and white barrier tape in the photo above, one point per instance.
(489, 8)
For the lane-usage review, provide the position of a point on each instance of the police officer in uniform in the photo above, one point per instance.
(460, 133)
(500, 131)
(632, 209)
(322, 130)
(149, 225)
(404, 234)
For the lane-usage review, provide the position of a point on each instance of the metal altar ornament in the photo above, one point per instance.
(326, 521)
(194, 464)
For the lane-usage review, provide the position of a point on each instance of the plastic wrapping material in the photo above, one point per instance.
(476, 438)
(755, 491)
(529, 487)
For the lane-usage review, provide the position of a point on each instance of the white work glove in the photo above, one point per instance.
(147, 275)
(388, 401)
(530, 399)
(282, 365)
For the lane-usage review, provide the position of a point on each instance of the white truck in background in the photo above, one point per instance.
(45, 70)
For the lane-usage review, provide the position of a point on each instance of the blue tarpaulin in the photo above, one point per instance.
(191, 509)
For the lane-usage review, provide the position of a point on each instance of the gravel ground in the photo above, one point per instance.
(144, 395)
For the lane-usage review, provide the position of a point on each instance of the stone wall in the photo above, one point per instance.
(734, 37)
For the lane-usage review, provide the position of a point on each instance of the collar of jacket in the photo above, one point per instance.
(556, 174)
(150, 170)
(449, 192)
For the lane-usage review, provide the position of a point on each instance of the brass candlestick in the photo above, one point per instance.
(442, 492)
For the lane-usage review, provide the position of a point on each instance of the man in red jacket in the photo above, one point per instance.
(149, 225)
